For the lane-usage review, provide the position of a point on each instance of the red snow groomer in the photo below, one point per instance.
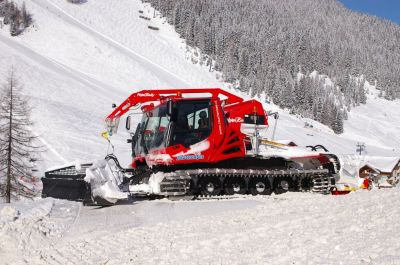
(196, 142)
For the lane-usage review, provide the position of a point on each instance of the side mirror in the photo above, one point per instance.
(170, 108)
(113, 105)
(128, 123)
(273, 114)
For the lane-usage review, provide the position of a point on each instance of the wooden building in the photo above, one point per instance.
(382, 169)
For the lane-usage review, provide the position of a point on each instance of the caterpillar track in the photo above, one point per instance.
(209, 183)
(216, 181)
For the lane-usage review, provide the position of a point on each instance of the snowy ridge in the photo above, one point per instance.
(22, 221)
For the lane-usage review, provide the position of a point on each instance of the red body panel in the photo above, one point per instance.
(224, 142)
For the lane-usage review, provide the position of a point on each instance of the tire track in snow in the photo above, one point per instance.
(53, 150)
(161, 72)
(65, 72)
(57, 67)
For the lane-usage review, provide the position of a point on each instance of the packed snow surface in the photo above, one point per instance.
(293, 228)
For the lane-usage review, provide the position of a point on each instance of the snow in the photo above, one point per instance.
(140, 189)
(292, 228)
(104, 182)
(285, 151)
(195, 149)
(152, 159)
(154, 182)
(21, 225)
(153, 186)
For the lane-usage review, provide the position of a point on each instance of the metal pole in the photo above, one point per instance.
(273, 134)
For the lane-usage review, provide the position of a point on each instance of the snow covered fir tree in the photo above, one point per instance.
(275, 46)
(18, 149)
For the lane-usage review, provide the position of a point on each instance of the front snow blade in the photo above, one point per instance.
(105, 182)
(67, 183)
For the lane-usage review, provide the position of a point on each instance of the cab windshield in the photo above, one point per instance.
(155, 128)
(192, 124)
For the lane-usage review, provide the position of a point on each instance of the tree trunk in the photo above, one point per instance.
(8, 185)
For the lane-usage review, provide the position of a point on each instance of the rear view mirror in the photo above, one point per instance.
(128, 123)
(273, 114)
(112, 125)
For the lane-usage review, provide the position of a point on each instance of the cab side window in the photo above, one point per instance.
(201, 120)
(193, 123)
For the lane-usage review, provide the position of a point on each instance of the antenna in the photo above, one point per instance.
(276, 117)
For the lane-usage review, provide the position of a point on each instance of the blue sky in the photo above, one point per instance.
(389, 9)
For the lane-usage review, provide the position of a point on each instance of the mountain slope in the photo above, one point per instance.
(264, 46)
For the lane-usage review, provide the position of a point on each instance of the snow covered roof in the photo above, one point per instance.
(371, 167)
(351, 164)
(383, 164)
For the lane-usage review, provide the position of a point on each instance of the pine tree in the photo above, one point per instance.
(17, 143)
(337, 121)
(16, 18)
(300, 94)
(15, 26)
(361, 93)
(26, 17)
(243, 62)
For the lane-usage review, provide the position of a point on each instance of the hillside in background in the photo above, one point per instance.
(264, 45)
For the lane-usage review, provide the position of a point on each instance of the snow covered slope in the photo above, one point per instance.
(293, 228)
(78, 59)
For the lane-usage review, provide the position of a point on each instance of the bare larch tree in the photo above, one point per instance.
(17, 142)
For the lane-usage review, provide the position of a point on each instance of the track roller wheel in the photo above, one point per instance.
(193, 189)
(282, 185)
(306, 184)
(235, 185)
(210, 186)
(260, 186)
